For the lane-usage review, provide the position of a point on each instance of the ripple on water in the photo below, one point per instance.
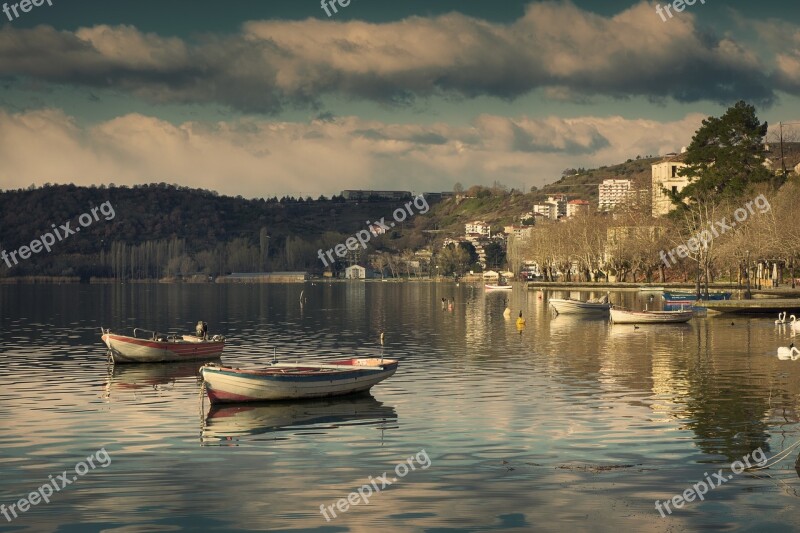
(568, 422)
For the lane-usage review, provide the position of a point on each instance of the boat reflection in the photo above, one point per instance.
(574, 324)
(149, 376)
(228, 422)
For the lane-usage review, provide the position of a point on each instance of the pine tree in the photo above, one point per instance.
(725, 157)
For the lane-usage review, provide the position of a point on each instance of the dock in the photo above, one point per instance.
(758, 305)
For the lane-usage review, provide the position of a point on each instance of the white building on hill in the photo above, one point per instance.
(479, 227)
(614, 192)
(666, 178)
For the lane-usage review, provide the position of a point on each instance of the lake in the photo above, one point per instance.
(565, 424)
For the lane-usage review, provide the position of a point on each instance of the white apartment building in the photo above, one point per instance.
(478, 227)
(614, 192)
(546, 210)
(665, 178)
(560, 203)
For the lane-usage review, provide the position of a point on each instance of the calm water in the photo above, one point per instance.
(568, 424)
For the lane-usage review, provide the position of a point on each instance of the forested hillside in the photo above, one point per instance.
(165, 231)
(161, 230)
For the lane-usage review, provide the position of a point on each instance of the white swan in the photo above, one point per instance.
(781, 318)
(790, 352)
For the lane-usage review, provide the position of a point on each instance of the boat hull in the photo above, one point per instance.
(225, 384)
(134, 350)
(618, 316)
(577, 307)
(498, 287)
(691, 297)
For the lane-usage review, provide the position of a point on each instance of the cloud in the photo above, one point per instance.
(261, 158)
(570, 53)
(784, 37)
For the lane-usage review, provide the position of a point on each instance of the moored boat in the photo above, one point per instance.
(621, 316)
(567, 306)
(154, 347)
(291, 381)
(691, 296)
(490, 287)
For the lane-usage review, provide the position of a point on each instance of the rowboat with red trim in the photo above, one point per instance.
(292, 381)
(154, 347)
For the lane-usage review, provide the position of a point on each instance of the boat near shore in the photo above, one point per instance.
(147, 346)
(622, 316)
(490, 287)
(293, 381)
(692, 297)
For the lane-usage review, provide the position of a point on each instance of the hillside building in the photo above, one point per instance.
(577, 206)
(559, 202)
(665, 178)
(548, 211)
(350, 194)
(614, 192)
(478, 227)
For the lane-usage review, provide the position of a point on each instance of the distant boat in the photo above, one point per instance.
(491, 287)
(578, 307)
(620, 316)
(651, 289)
(691, 296)
(157, 347)
(292, 381)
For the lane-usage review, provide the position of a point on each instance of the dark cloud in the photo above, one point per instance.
(271, 65)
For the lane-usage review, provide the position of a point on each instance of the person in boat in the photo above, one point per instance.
(202, 329)
(520, 320)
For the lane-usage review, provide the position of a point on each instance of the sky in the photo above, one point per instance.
(274, 98)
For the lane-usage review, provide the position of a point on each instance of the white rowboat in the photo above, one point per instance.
(291, 381)
(578, 307)
(619, 316)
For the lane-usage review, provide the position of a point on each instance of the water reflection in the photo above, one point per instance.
(225, 424)
(499, 413)
(133, 378)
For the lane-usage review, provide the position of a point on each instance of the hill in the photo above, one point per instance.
(155, 231)
(581, 183)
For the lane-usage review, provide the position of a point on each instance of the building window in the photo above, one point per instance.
(674, 171)
(674, 189)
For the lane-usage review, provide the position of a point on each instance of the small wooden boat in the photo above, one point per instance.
(291, 381)
(494, 287)
(567, 306)
(691, 296)
(154, 347)
(620, 316)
